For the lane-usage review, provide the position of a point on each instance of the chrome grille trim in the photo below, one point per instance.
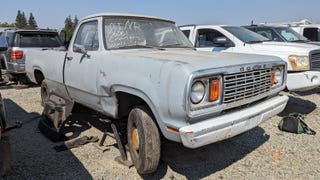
(244, 85)
(315, 60)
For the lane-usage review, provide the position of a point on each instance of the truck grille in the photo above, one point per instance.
(315, 61)
(244, 85)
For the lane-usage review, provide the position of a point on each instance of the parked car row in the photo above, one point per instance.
(159, 78)
(303, 59)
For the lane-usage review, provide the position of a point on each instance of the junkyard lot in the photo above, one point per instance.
(262, 153)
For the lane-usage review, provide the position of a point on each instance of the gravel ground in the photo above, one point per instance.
(262, 153)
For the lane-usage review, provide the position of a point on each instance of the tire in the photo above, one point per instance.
(44, 91)
(143, 140)
(46, 128)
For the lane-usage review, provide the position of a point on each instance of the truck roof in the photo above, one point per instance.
(29, 30)
(125, 15)
(204, 25)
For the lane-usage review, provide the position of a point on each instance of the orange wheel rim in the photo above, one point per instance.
(135, 139)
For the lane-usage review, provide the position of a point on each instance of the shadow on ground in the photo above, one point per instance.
(33, 156)
(299, 105)
(201, 162)
(36, 158)
(192, 163)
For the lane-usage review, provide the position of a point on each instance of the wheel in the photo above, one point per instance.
(143, 140)
(44, 91)
(46, 128)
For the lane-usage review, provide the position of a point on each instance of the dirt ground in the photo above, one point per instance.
(262, 153)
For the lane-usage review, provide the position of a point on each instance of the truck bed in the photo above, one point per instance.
(49, 62)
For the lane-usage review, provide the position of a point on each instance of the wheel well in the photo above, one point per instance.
(38, 76)
(126, 102)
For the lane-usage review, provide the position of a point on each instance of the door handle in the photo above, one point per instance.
(69, 58)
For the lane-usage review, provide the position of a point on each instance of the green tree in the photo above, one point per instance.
(32, 24)
(69, 26)
(5, 24)
(75, 22)
(21, 21)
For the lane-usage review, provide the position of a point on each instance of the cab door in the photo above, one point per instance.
(81, 64)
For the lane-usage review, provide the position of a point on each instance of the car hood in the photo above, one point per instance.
(200, 60)
(282, 47)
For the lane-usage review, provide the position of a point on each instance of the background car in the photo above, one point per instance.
(19, 42)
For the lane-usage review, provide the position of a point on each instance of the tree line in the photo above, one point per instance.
(22, 23)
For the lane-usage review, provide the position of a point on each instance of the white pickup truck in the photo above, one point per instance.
(303, 59)
(145, 70)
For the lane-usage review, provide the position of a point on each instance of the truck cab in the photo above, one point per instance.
(302, 59)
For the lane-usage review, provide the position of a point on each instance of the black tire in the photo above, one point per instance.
(143, 140)
(46, 128)
(44, 91)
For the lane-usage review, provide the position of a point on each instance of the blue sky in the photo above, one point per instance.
(237, 12)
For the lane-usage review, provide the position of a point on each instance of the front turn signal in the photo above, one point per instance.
(272, 77)
(214, 90)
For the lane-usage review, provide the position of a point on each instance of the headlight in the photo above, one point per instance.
(277, 76)
(299, 63)
(197, 92)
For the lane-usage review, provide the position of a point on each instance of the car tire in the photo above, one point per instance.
(143, 140)
(44, 92)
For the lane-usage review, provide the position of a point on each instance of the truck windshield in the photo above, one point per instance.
(290, 35)
(126, 33)
(245, 35)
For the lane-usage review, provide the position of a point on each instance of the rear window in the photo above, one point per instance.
(9, 37)
(312, 34)
(38, 40)
(186, 33)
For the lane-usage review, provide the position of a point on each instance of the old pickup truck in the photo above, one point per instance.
(303, 59)
(145, 70)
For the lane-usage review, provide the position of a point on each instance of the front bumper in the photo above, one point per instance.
(227, 126)
(303, 81)
(17, 68)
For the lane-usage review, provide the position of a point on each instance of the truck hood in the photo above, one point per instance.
(200, 60)
(282, 47)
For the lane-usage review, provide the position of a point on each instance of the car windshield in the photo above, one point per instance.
(290, 35)
(245, 35)
(133, 32)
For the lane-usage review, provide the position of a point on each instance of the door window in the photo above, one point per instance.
(311, 33)
(212, 38)
(87, 36)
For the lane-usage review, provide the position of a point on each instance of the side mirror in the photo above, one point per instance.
(80, 49)
(223, 42)
(3, 44)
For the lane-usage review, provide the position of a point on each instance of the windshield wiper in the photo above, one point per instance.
(135, 46)
(253, 42)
